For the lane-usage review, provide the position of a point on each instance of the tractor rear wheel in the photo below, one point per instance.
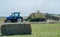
(19, 20)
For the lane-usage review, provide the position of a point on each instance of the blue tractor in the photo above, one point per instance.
(14, 17)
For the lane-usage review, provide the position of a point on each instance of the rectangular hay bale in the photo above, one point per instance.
(14, 29)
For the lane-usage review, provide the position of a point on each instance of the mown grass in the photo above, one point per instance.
(42, 30)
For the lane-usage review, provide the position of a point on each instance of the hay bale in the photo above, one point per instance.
(37, 15)
(14, 29)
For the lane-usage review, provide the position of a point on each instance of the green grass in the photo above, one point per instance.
(42, 30)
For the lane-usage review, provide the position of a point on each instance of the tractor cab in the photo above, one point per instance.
(15, 14)
(14, 17)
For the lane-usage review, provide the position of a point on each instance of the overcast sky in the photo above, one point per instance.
(28, 6)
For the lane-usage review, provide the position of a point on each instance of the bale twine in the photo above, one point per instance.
(14, 29)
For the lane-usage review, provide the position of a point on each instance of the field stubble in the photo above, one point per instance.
(42, 30)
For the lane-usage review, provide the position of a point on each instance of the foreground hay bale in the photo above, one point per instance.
(14, 29)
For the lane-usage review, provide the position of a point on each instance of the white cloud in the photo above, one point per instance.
(28, 6)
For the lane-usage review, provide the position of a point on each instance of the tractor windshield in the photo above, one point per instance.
(15, 14)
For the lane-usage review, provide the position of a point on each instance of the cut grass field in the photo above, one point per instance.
(42, 30)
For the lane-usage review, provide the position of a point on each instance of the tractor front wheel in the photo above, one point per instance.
(8, 21)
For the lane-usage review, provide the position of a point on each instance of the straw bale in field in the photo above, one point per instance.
(13, 29)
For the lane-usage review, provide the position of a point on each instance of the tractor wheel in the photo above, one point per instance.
(8, 21)
(19, 20)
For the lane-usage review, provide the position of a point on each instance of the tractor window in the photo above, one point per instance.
(16, 15)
